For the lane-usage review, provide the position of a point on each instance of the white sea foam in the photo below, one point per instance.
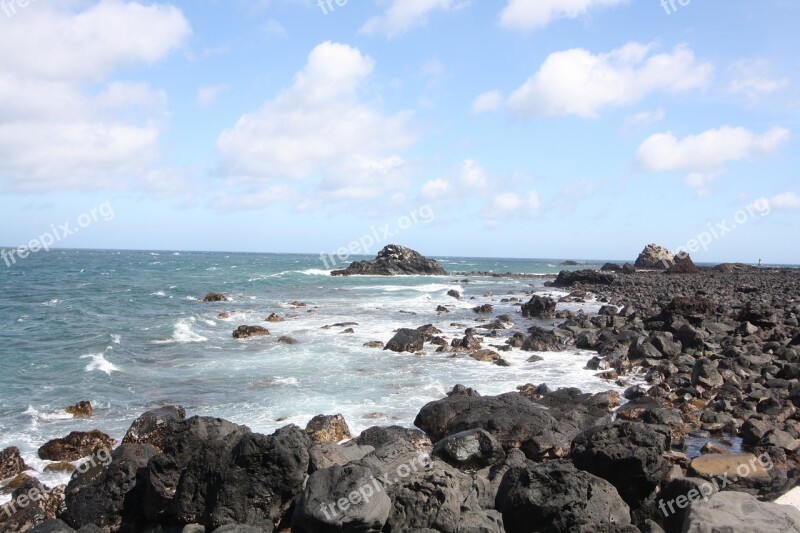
(38, 415)
(99, 362)
(183, 332)
(159, 293)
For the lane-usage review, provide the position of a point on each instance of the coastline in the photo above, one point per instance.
(651, 293)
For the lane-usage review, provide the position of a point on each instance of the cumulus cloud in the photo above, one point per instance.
(208, 94)
(751, 78)
(534, 14)
(578, 82)
(321, 128)
(786, 201)
(510, 203)
(435, 189)
(57, 130)
(403, 15)
(704, 156)
(488, 101)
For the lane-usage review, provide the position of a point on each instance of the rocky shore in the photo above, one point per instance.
(705, 435)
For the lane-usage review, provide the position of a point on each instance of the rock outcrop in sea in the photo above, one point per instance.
(394, 260)
(654, 257)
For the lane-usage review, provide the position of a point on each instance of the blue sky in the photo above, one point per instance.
(529, 128)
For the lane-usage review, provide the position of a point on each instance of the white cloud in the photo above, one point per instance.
(321, 128)
(207, 95)
(534, 14)
(751, 78)
(704, 156)
(403, 15)
(512, 203)
(786, 201)
(644, 119)
(472, 176)
(488, 101)
(273, 28)
(577, 82)
(434, 189)
(63, 123)
(89, 45)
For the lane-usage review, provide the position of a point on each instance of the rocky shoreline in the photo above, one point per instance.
(711, 356)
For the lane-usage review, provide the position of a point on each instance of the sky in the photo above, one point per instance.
(482, 128)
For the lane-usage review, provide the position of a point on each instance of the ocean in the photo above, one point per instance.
(128, 331)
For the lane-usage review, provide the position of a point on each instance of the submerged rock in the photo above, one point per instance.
(539, 307)
(215, 297)
(76, 445)
(81, 409)
(394, 260)
(245, 332)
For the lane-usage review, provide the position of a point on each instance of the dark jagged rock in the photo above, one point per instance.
(339, 499)
(683, 264)
(406, 340)
(470, 450)
(539, 307)
(734, 511)
(586, 277)
(555, 496)
(394, 260)
(512, 419)
(16, 517)
(215, 297)
(245, 332)
(76, 445)
(216, 473)
(611, 267)
(627, 454)
(154, 426)
(98, 494)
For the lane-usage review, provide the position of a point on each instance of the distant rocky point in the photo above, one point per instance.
(654, 257)
(394, 260)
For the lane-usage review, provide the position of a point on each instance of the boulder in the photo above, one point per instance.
(735, 511)
(654, 257)
(215, 473)
(406, 340)
(587, 277)
(54, 525)
(394, 260)
(76, 445)
(215, 297)
(326, 454)
(470, 450)
(539, 307)
(32, 504)
(98, 492)
(483, 309)
(342, 498)
(153, 426)
(245, 332)
(274, 318)
(81, 409)
(373, 344)
(683, 264)
(378, 437)
(556, 496)
(324, 428)
(513, 420)
(676, 495)
(11, 463)
(627, 454)
(285, 339)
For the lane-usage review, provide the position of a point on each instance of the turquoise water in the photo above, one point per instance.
(127, 331)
